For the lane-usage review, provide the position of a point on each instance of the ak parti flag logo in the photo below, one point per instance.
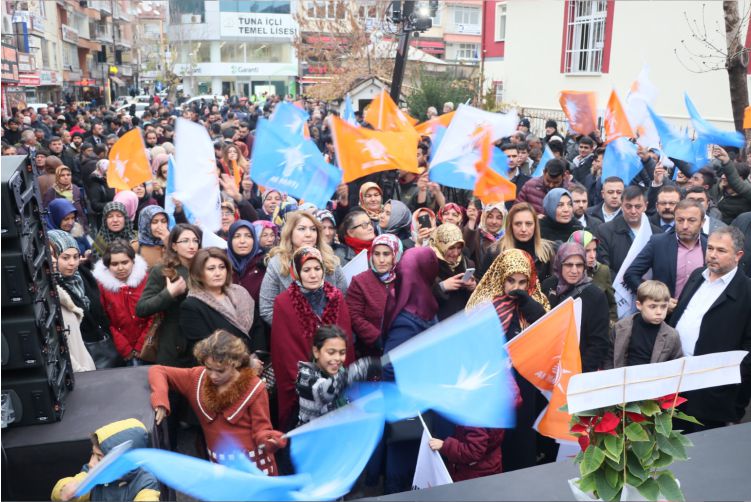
(129, 166)
(616, 121)
(581, 110)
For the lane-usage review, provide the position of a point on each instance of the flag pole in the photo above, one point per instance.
(424, 425)
(680, 381)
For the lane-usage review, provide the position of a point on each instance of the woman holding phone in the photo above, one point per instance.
(455, 282)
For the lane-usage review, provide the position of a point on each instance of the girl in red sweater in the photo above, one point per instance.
(228, 398)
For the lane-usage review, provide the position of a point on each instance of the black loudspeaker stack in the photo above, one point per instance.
(36, 368)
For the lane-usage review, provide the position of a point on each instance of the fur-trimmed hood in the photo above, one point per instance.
(67, 303)
(109, 282)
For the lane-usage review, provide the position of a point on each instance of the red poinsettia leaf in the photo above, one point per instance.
(635, 417)
(586, 421)
(667, 402)
(608, 423)
(579, 429)
(584, 442)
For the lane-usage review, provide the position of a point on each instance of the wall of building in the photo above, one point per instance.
(643, 32)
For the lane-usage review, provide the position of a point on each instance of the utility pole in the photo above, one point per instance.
(402, 50)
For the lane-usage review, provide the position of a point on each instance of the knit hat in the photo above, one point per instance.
(582, 237)
(61, 240)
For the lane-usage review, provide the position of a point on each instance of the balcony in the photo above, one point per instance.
(103, 6)
(102, 34)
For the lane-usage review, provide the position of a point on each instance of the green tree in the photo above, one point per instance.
(435, 90)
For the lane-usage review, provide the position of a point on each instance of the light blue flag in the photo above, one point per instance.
(621, 160)
(547, 155)
(349, 112)
(457, 173)
(675, 144)
(169, 191)
(334, 449)
(435, 141)
(292, 164)
(200, 479)
(710, 134)
(498, 161)
(292, 118)
(460, 368)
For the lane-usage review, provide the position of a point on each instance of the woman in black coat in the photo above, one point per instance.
(451, 292)
(559, 222)
(571, 281)
(213, 302)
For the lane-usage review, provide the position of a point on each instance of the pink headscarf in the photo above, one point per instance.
(157, 161)
(129, 200)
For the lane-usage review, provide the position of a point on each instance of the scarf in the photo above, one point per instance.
(566, 251)
(456, 207)
(415, 276)
(395, 244)
(145, 237)
(57, 210)
(240, 263)
(511, 261)
(374, 215)
(73, 284)
(105, 236)
(241, 313)
(551, 200)
(65, 191)
(443, 238)
(358, 245)
(299, 258)
(129, 201)
(483, 228)
(260, 225)
(400, 218)
(308, 318)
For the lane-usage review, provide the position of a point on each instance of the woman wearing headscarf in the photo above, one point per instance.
(449, 289)
(368, 292)
(511, 284)
(409, 312)
(489, 230)
(65, 256)
(160, 168)
(248, 268)
(267, 233)
(571, 281)
(115, 225)
(598, 272)
(559, 222)
(396, 219)
(452, 213)
(130, 201)
(81, 287)
(270, 200)
(371, 201)
(62, 215)
(63, 188)
(307, 303)
(144, 199)
(153, 231)
(423, 224)
(522, 231)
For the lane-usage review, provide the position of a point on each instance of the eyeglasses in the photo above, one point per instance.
(188, 241)
(364, 225)
(573, 265)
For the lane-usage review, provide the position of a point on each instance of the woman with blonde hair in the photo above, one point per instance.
(522, 231)
(300, 230)
(227, 396)
(232, 158)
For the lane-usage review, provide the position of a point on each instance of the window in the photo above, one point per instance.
(46, 63)
(70, 56)
(466, 15)
(498, 90)
(240, 52)
(585, 36)
(468, 51)
(367, 11)
(196, 52)
(500, 22)
(262, 6)
(326, 9)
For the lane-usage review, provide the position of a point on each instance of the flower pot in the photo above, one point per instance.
(628, 493)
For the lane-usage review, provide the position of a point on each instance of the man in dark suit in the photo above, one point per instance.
(714, 315)
(580, 203)
(673, 255)
(612, 198)
(667, 198)
(616, 236)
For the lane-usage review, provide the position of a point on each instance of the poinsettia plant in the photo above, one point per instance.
(632, 444)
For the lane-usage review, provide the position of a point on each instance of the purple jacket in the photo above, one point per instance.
(473, 452)
(534, 191)
(366, 300)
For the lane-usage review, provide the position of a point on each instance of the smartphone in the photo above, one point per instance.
(424, 221)
(468, 274)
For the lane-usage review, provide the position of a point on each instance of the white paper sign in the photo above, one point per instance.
(589, 391)
(358, 264)
(624, 299)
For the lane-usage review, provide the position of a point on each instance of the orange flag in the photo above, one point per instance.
(616, 122)
(236, 173)
(547, 355)
(490, 186)
(129, 166)
(747, 118)
(361, 151)
(581, 109)
(383, 114)
(427, 128)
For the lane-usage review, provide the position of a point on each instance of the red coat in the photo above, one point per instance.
(119, 301)
(366, 301)
(473, 452)
(291, 343)
(245, 424)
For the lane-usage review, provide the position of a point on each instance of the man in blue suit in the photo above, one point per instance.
(673, 255)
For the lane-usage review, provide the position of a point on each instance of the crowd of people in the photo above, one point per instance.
(271, 332)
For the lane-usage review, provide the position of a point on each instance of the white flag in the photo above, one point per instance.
(196, 181)
(430, 470)
(624, 299)
(356, 265)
